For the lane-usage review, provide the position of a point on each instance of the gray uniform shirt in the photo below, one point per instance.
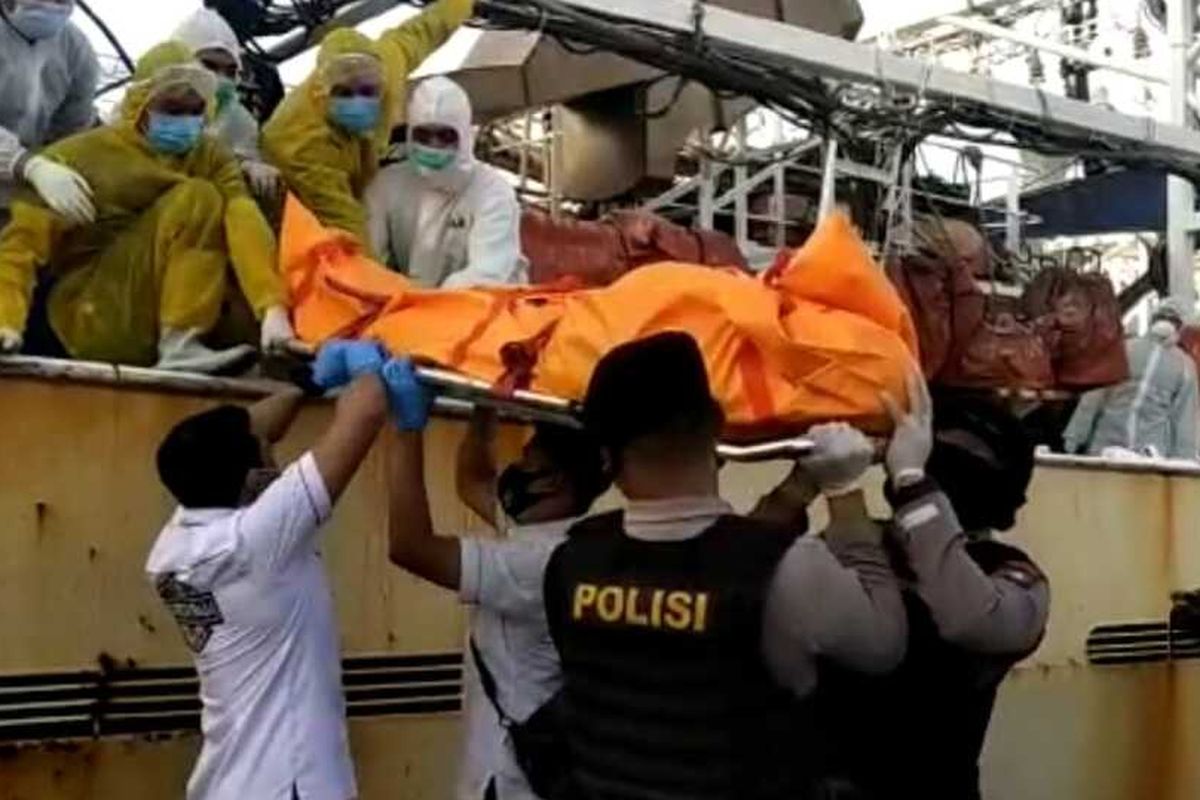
(837, 599)
(998, 614)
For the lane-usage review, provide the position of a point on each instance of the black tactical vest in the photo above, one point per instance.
(666, 694)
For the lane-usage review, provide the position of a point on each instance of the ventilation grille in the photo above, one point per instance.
(71, 705)
(1142, 643)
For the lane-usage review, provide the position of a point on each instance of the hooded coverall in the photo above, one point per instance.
(47, 89)
(327, 168)
(234, 124)
(1156, 408)
(167, 229)
(451, 228)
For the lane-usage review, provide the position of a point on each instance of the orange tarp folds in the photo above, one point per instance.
(815, 340)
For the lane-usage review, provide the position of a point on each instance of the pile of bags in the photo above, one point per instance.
(1064, 332)
(598, 253)
(817, 339)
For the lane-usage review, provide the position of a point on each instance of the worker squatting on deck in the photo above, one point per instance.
(145, 281)
(120, 241)
(730, 642)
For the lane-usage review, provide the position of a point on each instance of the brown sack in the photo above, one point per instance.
(1080, 318)
(944, 302)
(650, 238)
(1002, 352)
(591, 252)
(597, 253)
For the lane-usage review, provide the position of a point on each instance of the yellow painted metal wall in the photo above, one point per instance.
(1115, 545)
(80, 506)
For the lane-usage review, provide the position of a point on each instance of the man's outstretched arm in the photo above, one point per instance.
(360, 413)
(412, 544)
(272, 417)
(475, 471)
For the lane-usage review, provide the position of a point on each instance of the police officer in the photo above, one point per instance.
(976, 607)
(688, 635)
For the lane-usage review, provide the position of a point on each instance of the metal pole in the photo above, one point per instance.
(1012, 220)
(781, 216)
(1181, 196)
(829, 179)
(741, 204)
(707, 190)
(557, 157)
(526, 144)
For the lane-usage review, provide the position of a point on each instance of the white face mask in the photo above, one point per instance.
(1164, 331)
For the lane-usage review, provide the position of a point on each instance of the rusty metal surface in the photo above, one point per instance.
(410, 759)
(80, 506)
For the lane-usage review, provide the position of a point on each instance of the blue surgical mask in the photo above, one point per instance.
(226, 93)
(434, 159)
(40, 20)
(174, 136)
(357, 115)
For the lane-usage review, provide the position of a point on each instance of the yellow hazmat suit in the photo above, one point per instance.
(166, 231)
(327, 168)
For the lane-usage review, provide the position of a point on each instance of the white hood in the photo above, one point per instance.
(208, 30)
(441, 101)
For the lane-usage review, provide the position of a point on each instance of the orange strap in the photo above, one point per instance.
(459, 353)
(326, 251)
(782, 260)
(520, 359)
(754, 381)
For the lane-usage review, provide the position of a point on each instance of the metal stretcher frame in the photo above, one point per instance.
(457, 395)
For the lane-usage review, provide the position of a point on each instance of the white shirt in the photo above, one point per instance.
(509, 627)
(249, 590)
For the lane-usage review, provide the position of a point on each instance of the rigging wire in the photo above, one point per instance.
(830, 107)
(108, 34)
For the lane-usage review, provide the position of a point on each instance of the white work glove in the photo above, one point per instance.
(277, 332)
(841, 456)
(262, 178)
(10, 341)
(912, 441)
(64, 190)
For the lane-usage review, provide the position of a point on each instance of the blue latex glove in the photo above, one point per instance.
(339, 362)
(410, 400)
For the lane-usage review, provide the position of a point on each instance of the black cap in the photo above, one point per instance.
(983, 460)
(650, 386)
(576, 453)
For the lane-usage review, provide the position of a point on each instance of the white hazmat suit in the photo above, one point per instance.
(1156, 411)
(233, 125)
(449, 228)
(47, 90)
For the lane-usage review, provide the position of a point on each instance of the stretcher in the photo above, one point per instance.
(543, 407)
(456, 396)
